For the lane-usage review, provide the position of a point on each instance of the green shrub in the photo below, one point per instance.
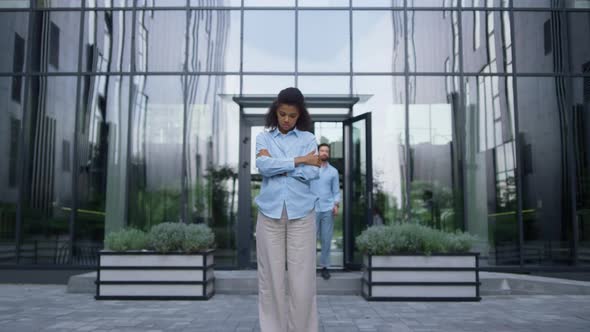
(197, 237)
(168, 236)
(126, 239)
(411, 238)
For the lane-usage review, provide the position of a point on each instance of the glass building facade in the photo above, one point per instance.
(118, 113)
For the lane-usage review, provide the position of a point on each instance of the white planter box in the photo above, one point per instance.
(436, 277)
(146, 275)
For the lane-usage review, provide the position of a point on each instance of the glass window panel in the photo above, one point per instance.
(214, 41)
(324, 84)
(431, 40)
(486, 3)
(160, 40)
(378, 3)
(435, 191)
(167, 3)
(324, 3)
(488, 171)
(107, 41)
(547, 227)
(269, 3)
(15, 4)
(156, 150)
(48, 170)
(432, 3)
(272, 85)
(212, 150)
(378, 39)
(217, 3)
(487, 45)
(110, 3)
(10, 128)
(98, 129)
(551, 3)
(383, 97)
(324, 44)
(580, 95)
(13, 37)
(60, 33)
(117, 117)
(545, 41)
(579, 47)
(60, 4)
(259, 54)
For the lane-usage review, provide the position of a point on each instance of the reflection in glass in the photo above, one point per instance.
(94, 130)
(545, 41)
(487, 42)
(216, 3)
(490, 168)
(435, 193)
(384, 98)
(581, 134)
(58, 36)
(323, 39)
(432, 3)
(10, 129)
(543, 114)
(433, 41)
(15, 4)
(378, 41)
(156, 150)
(259, 53)
(214, 41)
(212, 141)
(160, 40)
(579, 48)
(107, 40)
(13, 36)
(310, 85)
(60, 4)
(49, 141)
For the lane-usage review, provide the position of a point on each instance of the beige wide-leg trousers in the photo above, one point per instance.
(293, 241)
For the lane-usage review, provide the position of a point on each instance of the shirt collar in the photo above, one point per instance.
(276, 132)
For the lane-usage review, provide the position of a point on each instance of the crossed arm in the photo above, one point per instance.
(304, 168)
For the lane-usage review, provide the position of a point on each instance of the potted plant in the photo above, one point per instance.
(412, 262)
(173, 261)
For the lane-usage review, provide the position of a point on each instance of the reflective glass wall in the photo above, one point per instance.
(120, 113)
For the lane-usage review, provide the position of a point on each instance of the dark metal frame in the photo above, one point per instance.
(28, 73)
(368, 282)
(205, 268)
(348, 232)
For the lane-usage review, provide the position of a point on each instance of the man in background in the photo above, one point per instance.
(327, 188)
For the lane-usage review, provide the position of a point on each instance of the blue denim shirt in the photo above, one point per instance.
(327, 188)
(282, 182)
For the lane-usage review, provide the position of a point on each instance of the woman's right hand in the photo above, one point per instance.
(311, 159)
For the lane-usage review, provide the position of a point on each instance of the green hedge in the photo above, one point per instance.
(411, 238)
(165, 237)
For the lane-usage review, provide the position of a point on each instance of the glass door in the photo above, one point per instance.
(358, 177)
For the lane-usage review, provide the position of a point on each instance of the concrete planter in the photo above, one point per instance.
(146, 275)
(417, 277)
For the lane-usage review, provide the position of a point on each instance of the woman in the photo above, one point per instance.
(286, 157)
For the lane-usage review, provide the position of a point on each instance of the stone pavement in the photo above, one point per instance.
(50, 308)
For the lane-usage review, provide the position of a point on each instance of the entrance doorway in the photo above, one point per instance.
(350, 146)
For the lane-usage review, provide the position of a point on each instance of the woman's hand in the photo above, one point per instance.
(311, 159)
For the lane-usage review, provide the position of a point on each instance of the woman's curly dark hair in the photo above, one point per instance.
(293, 97)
